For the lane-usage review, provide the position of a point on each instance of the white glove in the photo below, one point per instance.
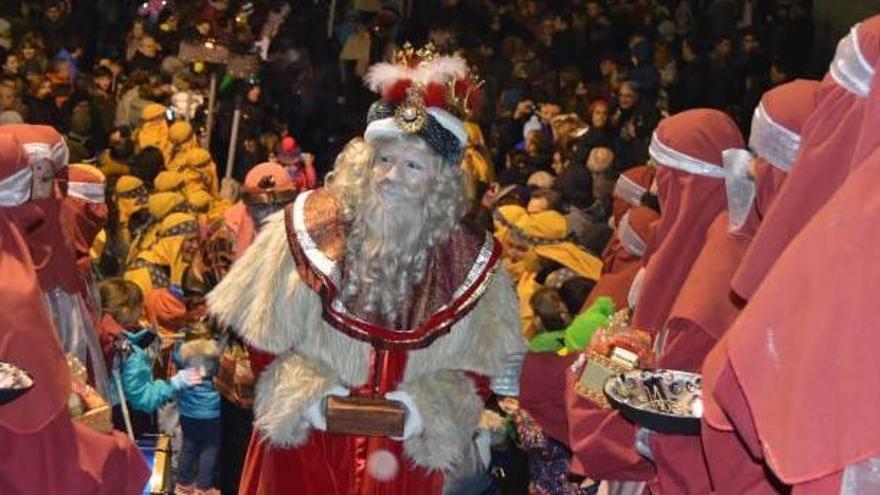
(186, 378)
(414, 424)
(315, 414)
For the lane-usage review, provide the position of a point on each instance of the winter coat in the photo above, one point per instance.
(200, 401)
(142, 392)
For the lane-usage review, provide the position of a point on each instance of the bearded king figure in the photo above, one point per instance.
(376, 308)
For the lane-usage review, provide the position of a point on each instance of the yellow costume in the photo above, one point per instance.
(170, 182)
(201, 172)
(183, 139)
(164, 263)
(505, 217)
(207, 209)
(160, 205)
(153, 130)
(131, 195)
(543, 235)
(476, 166)
(111, 167)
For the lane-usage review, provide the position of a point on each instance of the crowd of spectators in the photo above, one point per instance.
(572, 91)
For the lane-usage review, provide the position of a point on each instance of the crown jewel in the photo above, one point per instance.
(424, 77)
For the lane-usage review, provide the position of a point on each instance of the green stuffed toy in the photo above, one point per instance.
(581, 330)
(547, 341)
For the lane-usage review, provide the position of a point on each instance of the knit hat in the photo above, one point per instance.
(268, 183)
(289, 152)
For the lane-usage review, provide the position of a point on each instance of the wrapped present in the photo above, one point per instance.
(615, 349)
(369, 416)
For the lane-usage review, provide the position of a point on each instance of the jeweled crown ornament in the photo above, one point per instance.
(423, 93)
(410, 115)
(442, 81)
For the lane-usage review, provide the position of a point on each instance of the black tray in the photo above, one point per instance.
(24, 379)
(667, 401)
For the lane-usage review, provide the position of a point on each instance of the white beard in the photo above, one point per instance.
(387, 252)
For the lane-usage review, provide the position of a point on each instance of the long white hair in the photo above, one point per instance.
(388, 249)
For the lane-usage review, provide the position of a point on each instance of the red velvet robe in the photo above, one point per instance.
(336, 464)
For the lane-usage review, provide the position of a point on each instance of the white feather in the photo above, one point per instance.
(384, 74)
(442, 69)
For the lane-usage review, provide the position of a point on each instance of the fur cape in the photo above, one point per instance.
(264, 300)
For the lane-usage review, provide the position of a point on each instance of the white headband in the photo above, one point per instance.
(739, 186)
(629, 191)
(92, 192)
(849, 68)
(635, 288)
(16, 189)
(37, 151)
(772, 141)
(387, 127)
(58, 154)
(628, 237)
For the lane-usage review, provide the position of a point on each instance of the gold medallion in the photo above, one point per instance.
(410, 117)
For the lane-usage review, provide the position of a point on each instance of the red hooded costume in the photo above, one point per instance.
(602, 441)
(44, 451)
(834, 134)
(755, 381)
(705, 307)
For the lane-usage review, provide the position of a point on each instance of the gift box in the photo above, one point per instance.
(613, 350)
(370, 416)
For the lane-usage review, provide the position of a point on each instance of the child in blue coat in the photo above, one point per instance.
(199, 408)
(129, 347)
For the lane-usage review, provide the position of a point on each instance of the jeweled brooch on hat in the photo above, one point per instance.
(411, 117)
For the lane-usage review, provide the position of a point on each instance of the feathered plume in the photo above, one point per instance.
(441, 81)
(383, 75)
(441, 69)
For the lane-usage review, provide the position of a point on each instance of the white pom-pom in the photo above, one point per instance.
(382, 465)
